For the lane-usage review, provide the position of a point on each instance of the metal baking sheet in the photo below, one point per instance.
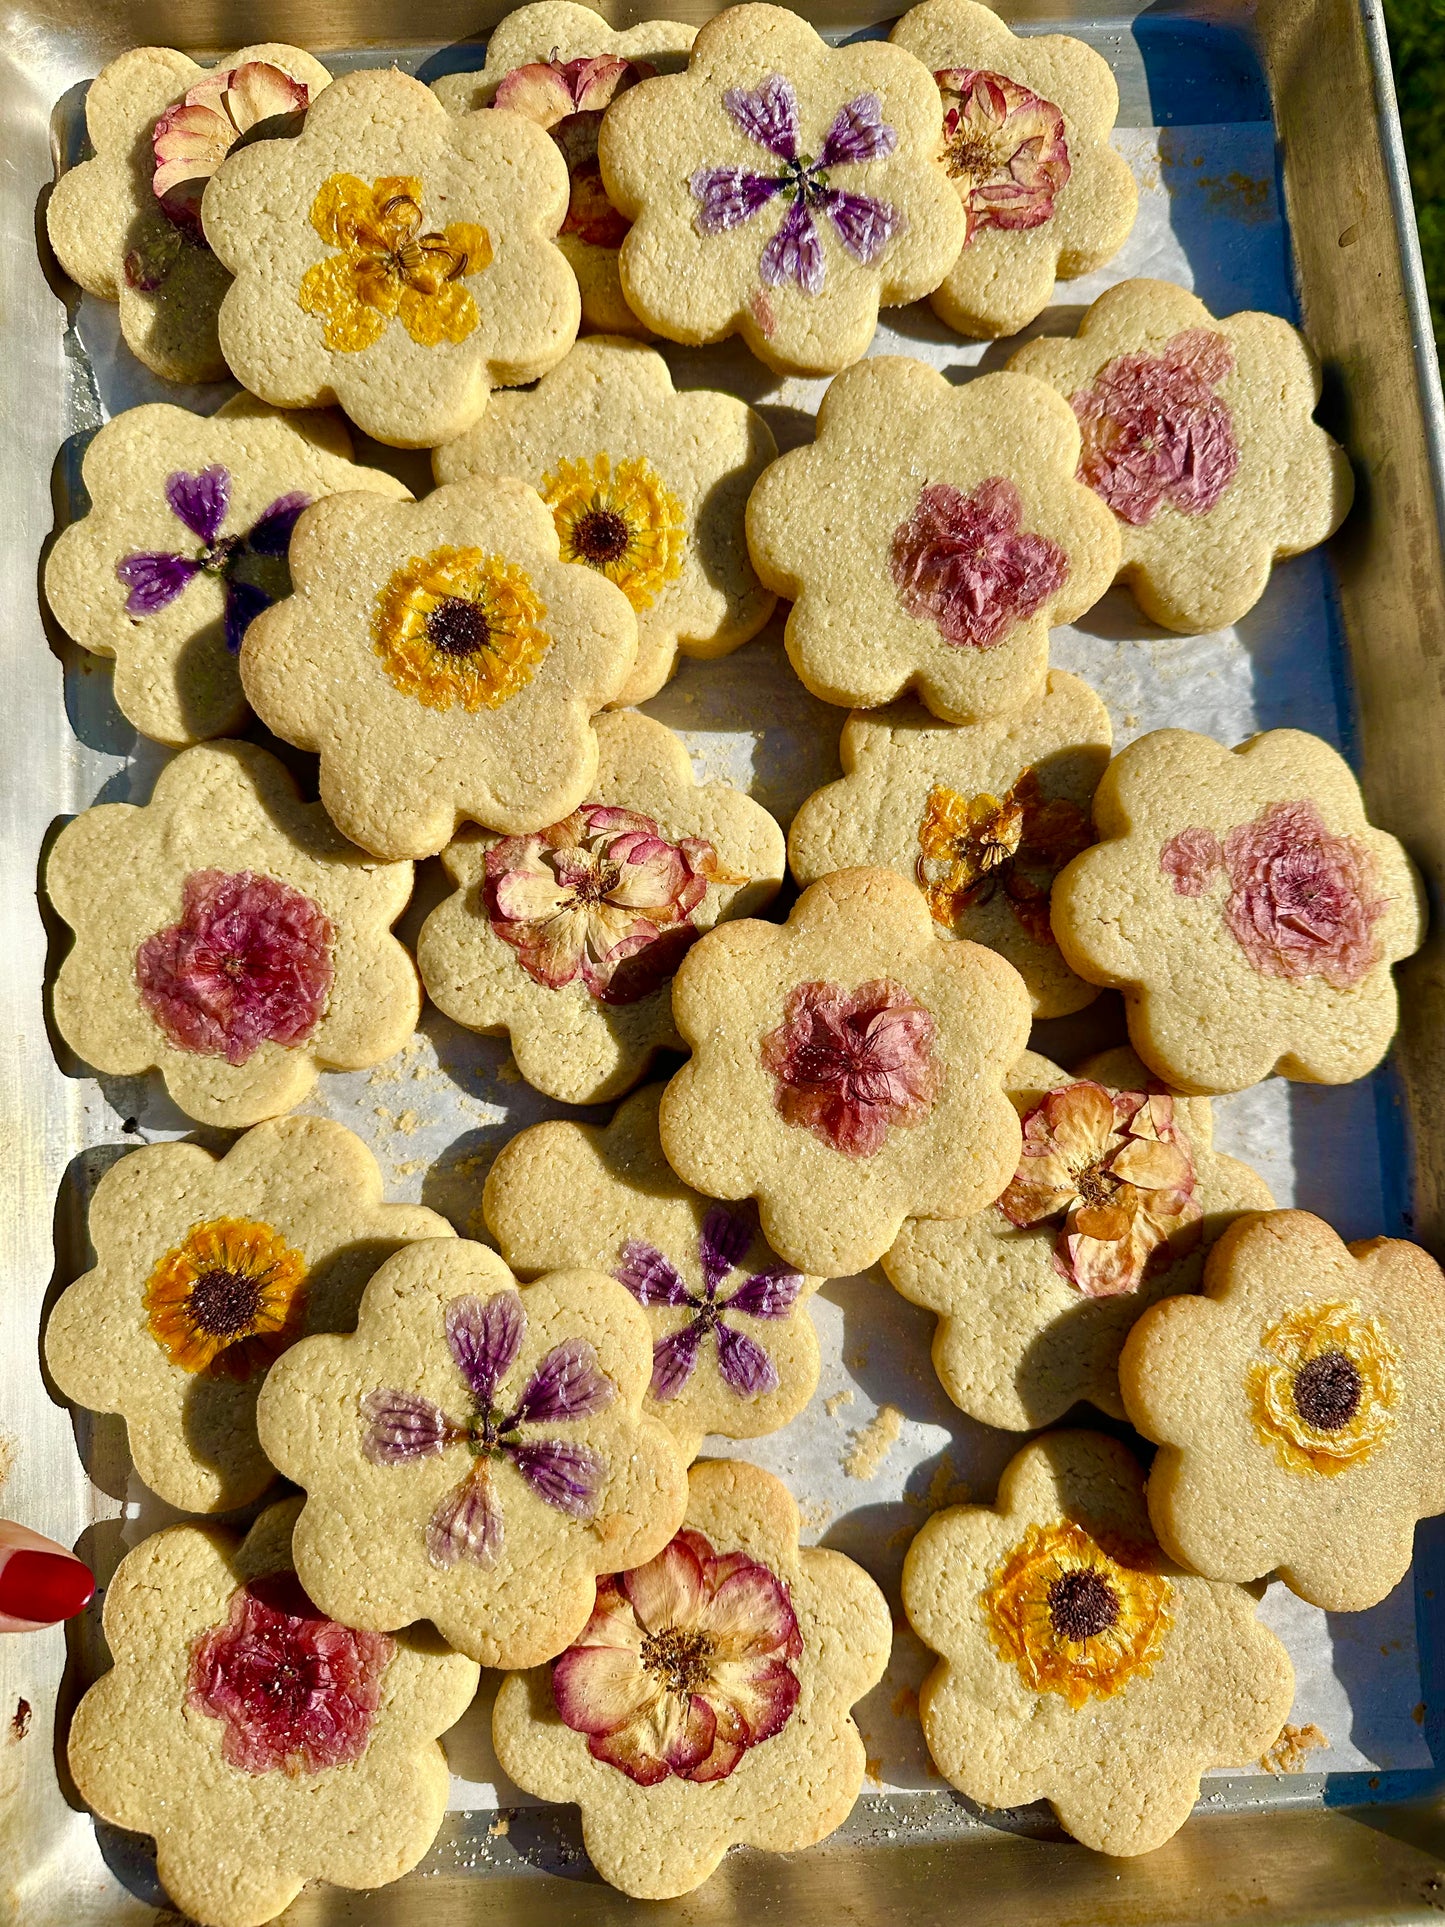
(880, 1446)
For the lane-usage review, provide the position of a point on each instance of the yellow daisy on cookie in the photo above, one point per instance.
(459, 626)
(229, 1298)
(626, 524)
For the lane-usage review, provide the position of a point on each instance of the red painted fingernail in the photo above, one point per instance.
(44, 1586)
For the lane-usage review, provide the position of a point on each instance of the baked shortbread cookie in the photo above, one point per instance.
(1297, 1406)
(394, 258)
(207, 1269)
(1199, 434)
(734, 1350)
(1117, 1195)
(706, 1704)
(930, 537)
(443, 660)
(263, 1745)
(646, 485)
(228, 936)
(474, 1455)
(1026, 125)
(126, 223)
(847, 1071)
(1078, 1664)
(780, 189)
(982, 817)
(185, 543)
(1245, 907)
(568, 939)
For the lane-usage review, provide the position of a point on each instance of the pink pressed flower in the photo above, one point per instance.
(601, 895)
(1155, 431)
(297, 1692)
(1303, 903)
(684, 1665)
(568, 99)
(192, 138)
(248, 964)
(1191, 861)
(1005, 145)
(961, 562)
(848, 1064)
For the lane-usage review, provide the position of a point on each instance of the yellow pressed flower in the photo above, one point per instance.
(229, 1299)
(1325, 1396)
(970, 845)
(460, 626)
(625, 524)
(388, 267)
(1078, 1613)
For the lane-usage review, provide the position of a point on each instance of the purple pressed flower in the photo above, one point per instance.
(484, 1337)
(244, 602)
(200, 500)
(795, 253)
(270, 533)
(154, 578)
(767, 115)
(654, 1280)
(859, 133)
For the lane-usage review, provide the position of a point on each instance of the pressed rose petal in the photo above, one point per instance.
(767, 115)
(767, 1294)
(598, 1689)
(722, 1244)
(687, 1726)
(649, 1276)
(628, 1751)
(570, 1477)
(750, 1615)
(1154, 431)
(1151, 1165)
(259, 90)
(527, 896)
(467, 1524)
(484, 1339)
(1191, 860)
(849, 1065)
(795, 253)
(596, 82)
(200, 500)
(154, 579)
(673, 1360)
(668, 1590)
(1303, 903)
(1105, 1221)
(538, 91)
(567, 1384)
(744, 1365)
(763, 1692)
(963, 563)
(402, 1426)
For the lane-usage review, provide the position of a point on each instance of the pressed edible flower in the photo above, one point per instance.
(460, 626)
(626, 524)
(848, 1065)
(568, 99)
(191, 139)
(228, 1299)
(1005, 147)
(963, 562)
(1324, 1395)
(971, 847)
(1155, 432)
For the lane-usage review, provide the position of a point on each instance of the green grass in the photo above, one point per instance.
(1417, 46)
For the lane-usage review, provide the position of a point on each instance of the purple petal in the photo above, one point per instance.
(858, 133)
(744, 1363)
(403, 1425)
(270, 533)
(200, 500)
(767, 115)
(794, 253)
(651, 1278)
(570, 1477)
(767, 1294)
(863, 225)
(724, 1238)
(154, 579)
(467, 1524)
(569, 1383)
(244, 602)
(673, 1359)
(485, 1339)
(729, 196)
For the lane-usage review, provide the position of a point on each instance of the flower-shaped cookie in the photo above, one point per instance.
(929, 537)
(394, 258)
(207, 1270)
(1078, 1665)
(847, 1071)
(707, 1701)
(646, 485)
(734, 1350)
(561, 65)
(1199, 436)
(1117, 1193)
(227, 936)
(1026, 123)
(1297, 1406)
(126, 223)
(474, 1455)
(568, 938)
(983, 817)
(263, 1745)
(444, 662)
(782, 189)
(185, 543)
(1244, 906)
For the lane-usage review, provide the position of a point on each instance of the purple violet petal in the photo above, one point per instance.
(721, 1244)
(200, 500)
(403, 1425)
(270, 533)
(767, 115)
(729, 196)
(795, 253)
(863, 225)
(485, 1339)
(244, 602)
(467, 1524)
(767, 1294)
(649, 1276)
(570, 1477)
(154, 579)
(569, 1383)
(859, 133)
(673, 1359)
(744, 1364)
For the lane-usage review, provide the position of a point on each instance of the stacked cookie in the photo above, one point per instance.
(507, 1446)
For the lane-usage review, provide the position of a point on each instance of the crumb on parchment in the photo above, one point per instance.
(871, 1444)
(1292, 1748)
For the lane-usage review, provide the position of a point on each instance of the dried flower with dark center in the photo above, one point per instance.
(602, 535)
(224, 1302)
(456, 627)
(229, 1299)
(1005, 147)
(677, 1657)
(1082, 1604)
(1327, 1391)
(972, 846)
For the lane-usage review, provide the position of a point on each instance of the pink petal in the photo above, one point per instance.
(529, 896)
(598, 1689)
(556, 948)
(467, 1524)
(1151, 1165)
(668, 1590)
(258, 90)
(594, 86)
(536, 91)
(654, 883)
(762, 1692)
(751, 1616)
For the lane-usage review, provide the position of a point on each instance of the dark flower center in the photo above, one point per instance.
(1094, 1184)
(225, 1303)
(601, 536)
(593, 886)
(1327, 1391)
(218, 556)
(677, 1657)
(456, 627)
(1082, 1604)
(976, 154)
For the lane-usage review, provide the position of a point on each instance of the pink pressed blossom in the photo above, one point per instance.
(248, 964)
(1155, 432)
(848, 1064)
(1005, 146)
(1304, 903)
(297, 1692)
(568, 99)
(961, 561)
(1192, 860)
(191, 139)
(685, 1664)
